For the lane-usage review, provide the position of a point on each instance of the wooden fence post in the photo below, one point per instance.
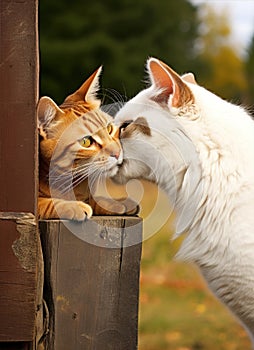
(19, 241)
(92, 283)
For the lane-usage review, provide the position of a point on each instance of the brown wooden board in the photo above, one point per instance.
(92, 290)
(19, 244)
(18, 98)
(18, 273)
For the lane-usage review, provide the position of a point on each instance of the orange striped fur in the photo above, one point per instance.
(65, 160)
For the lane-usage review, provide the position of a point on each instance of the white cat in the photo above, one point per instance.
(200, 150)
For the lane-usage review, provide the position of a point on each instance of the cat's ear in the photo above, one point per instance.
(171, 89)
(87, 91)
(189, 78)
(47, 112)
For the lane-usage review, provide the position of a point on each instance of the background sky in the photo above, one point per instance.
(241, 17)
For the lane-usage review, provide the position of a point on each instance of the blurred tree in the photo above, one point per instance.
(250, 74)
(223, 69)
(76, 38)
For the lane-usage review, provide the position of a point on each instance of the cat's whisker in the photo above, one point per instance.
(101, 180)
(114, 96)
(66, 187)
(86, 170)
(94, 180)
(61, 179)
(62, 186)
(118, 101)
(79, 176)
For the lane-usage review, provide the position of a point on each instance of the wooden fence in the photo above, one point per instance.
(90, 296)
(92, 290)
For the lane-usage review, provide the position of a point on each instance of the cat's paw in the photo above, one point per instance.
(131, 207)
(73, 210)
(109, 206)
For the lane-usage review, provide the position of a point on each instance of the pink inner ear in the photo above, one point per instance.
(170, 84)
(161, 77)
(162, 80)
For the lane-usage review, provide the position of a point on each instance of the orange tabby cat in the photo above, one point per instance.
(77, 141)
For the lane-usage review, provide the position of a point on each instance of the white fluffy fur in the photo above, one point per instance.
(202, 155)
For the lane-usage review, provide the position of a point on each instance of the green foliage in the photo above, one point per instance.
(76, 38)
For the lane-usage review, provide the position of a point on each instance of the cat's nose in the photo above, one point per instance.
(113, 150)
(115, 154)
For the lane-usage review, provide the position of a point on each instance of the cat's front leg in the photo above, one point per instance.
(49, 208)
(111, 206)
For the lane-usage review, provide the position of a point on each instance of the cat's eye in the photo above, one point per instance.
(125, 124)
(110, 128)
(86, 141)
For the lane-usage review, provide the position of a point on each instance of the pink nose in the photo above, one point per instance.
(113, 150)
(115, 154)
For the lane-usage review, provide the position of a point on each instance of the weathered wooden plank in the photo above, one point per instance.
(92, 289)
(18, 274)
(19, 245)
(18, 98)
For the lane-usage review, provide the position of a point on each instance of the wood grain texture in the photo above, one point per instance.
(19, 240)
(92, 290)
(18, 99)
(18, 277)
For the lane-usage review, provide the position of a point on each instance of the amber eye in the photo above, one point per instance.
(86, 141)
(110, 128)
